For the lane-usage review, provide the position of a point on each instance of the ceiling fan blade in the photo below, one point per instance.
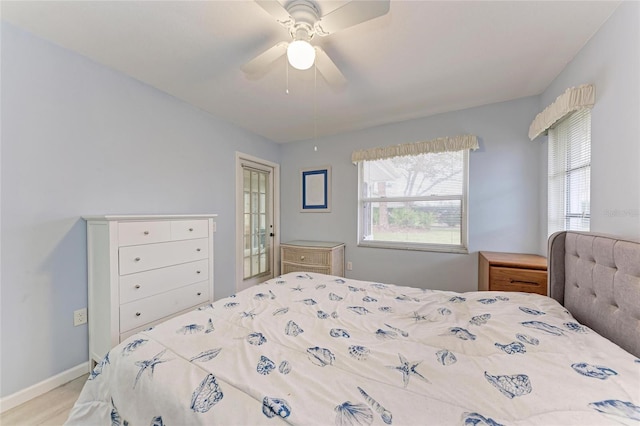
(260, 62)
(352, 13)
(275, 9)
(329, 70)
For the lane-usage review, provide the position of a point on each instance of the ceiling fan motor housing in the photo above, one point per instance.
(305, 15)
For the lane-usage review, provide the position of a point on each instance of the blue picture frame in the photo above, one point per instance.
(316, 189)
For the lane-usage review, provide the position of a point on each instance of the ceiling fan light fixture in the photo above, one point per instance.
(301, 54)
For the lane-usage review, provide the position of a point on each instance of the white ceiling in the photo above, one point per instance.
(422, 58)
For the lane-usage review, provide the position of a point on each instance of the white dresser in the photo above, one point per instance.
(143, 270)
(323, 257)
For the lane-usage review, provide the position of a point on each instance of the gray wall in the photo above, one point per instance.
(503, 194)
(611, 61)
(79, 139)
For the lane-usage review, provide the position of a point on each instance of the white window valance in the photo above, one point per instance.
(573, 99)
(445, 144)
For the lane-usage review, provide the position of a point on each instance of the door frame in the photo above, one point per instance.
(275, 257)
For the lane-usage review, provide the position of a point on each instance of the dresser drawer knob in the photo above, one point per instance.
(138, 314)
(137, 286)
(190, 229)
(146, 232)
(137, 259)
(199, 294)
(197, 249)
(197, 272)
(301, 257)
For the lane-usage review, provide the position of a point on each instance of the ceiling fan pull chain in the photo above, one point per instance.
(315, 101)
(286, 64)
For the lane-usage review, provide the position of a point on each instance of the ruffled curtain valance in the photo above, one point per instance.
(445, 144)
(573, 99)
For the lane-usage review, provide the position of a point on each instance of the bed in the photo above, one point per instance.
(309, 349)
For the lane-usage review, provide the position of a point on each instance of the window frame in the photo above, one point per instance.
(462, 248)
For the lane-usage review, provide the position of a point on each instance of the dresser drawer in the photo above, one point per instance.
(143, 311)
(306, 256)
(189, 229)
(132, 233)
(133, 259)
(515, 279)
(144, 284)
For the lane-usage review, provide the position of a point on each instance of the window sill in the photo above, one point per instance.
(414, 247)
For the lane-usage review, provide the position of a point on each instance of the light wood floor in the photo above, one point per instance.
(51, 409)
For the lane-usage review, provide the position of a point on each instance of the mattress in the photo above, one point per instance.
(316, 349)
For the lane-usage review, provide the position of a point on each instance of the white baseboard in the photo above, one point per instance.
(20, 397)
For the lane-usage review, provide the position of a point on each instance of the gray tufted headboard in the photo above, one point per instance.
(597, 278)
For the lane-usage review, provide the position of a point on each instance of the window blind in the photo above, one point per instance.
(569, 173)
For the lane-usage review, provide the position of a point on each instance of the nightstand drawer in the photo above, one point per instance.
(515, 279)
(306, 257)
(294, 267)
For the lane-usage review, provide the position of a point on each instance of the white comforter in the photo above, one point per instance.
(312, 349)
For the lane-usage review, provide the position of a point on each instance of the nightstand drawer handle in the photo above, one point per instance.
(137, 286)
(301, 257)
(197, 272)
(137, 259)
(138, 314)
(198, 249)
(512, 281)
(199, 294)
(146, 232)
(190, 229)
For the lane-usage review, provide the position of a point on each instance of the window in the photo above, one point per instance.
(569, 174)
(414, 202)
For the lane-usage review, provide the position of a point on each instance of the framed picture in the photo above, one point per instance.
(316, 189)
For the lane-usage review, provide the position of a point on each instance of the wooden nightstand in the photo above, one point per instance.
(312, 256)
(512, 272)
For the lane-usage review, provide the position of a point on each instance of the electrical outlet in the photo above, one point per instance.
(80, 317)
(349, 266)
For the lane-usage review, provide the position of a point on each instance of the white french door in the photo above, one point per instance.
(255, 209)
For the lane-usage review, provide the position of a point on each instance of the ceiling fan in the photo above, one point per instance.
(302, 19)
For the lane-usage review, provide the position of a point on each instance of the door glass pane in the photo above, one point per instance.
(263, 262)
(247, 201)
(254, 181)
(247, 266)
(254, 244)
(247, 224)
(246, 175)
(254, 203)
(247, 244)
(254, 265)
(263, 205)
